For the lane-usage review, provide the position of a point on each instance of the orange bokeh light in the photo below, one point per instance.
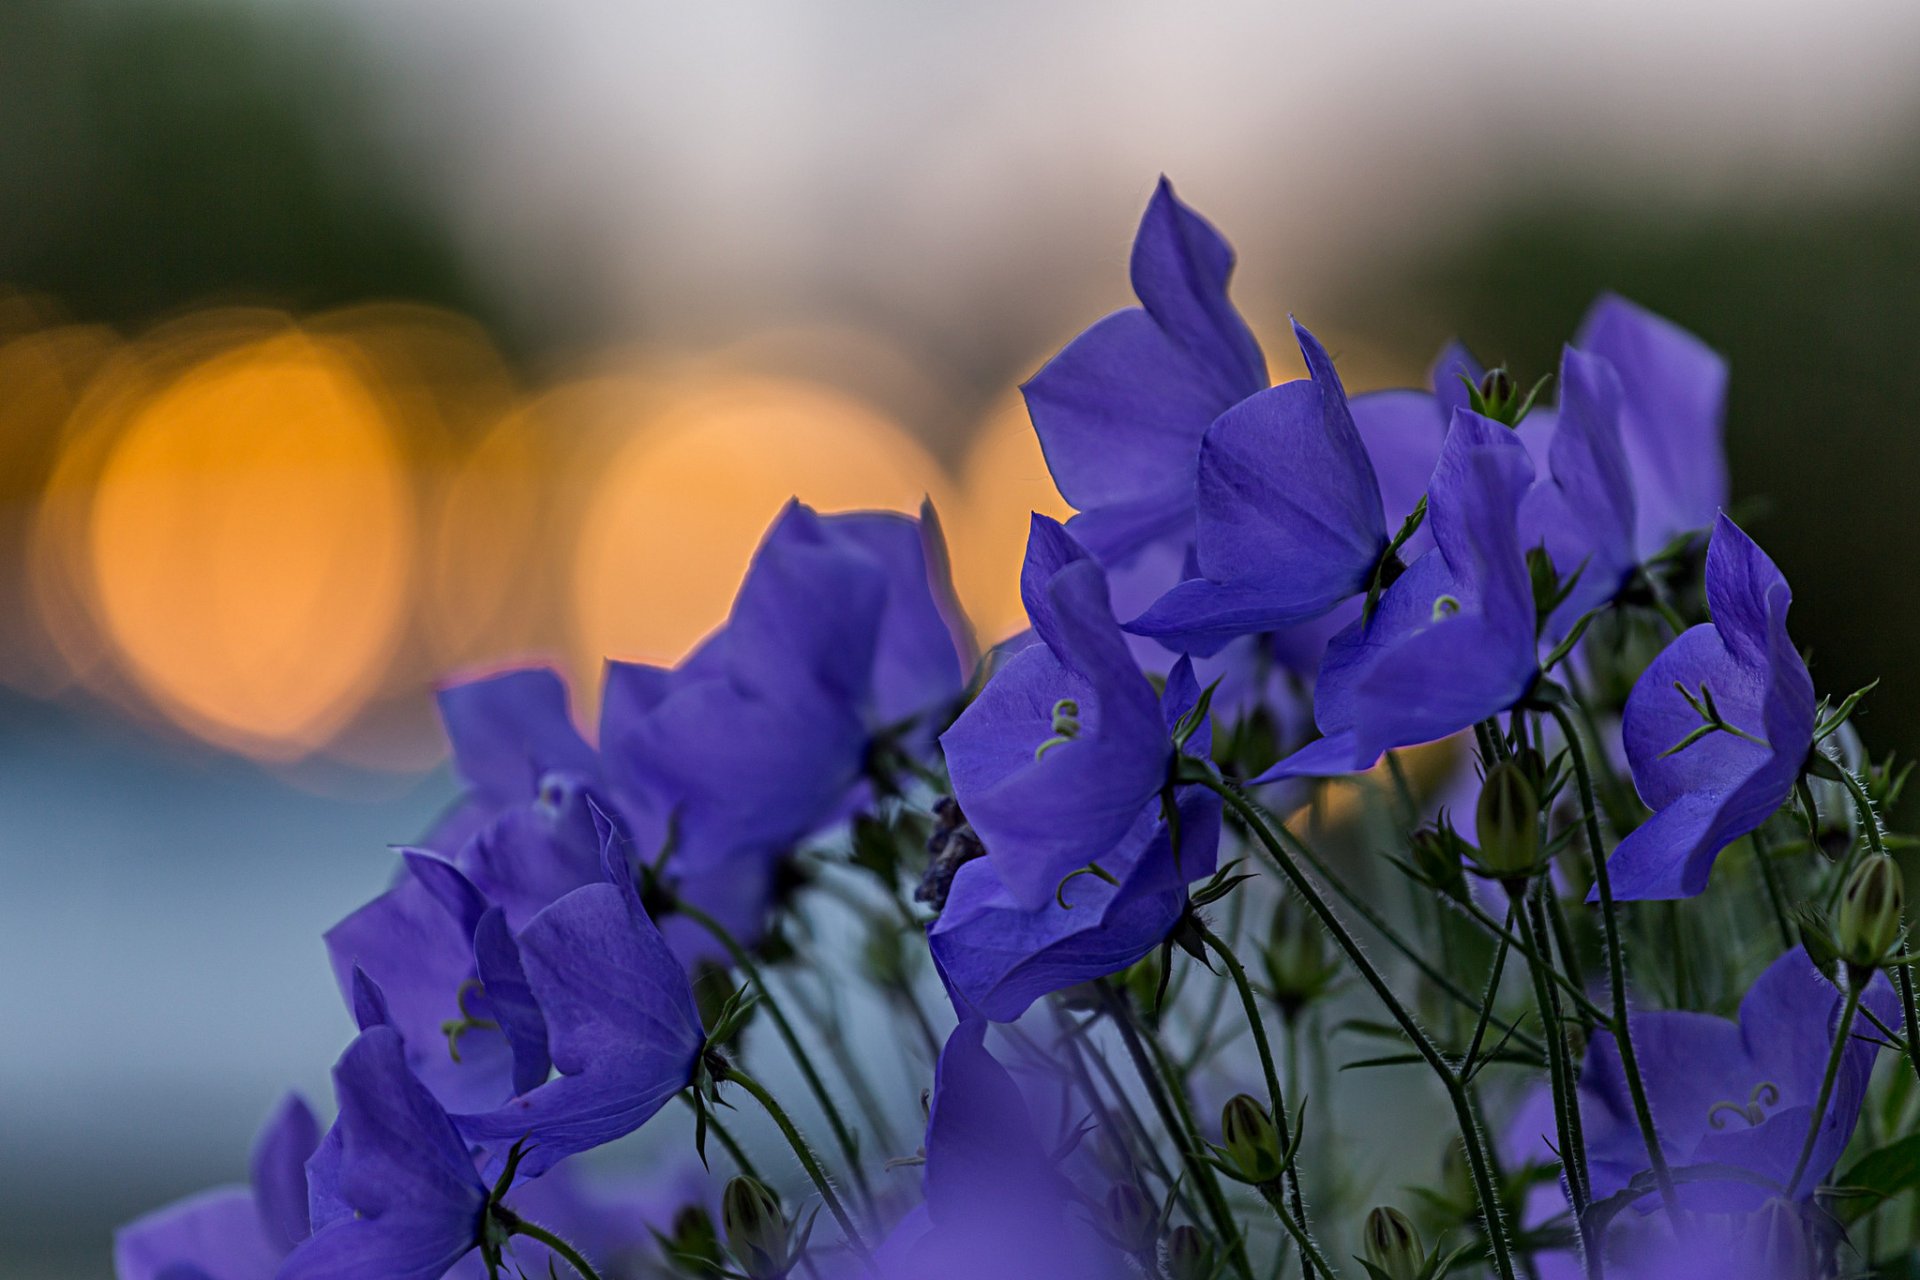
(671, 525)
(251, 537)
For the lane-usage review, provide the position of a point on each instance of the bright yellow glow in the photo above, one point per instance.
(1004, 480)
(251, 534)
(671, 525)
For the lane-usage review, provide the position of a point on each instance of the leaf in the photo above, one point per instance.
(1879, 1176)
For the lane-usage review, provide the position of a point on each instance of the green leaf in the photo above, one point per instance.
(1879, 1176)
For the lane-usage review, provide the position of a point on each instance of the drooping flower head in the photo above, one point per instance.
(1055, 760)
(1706, 786)
(231, 1233)
(998, 956)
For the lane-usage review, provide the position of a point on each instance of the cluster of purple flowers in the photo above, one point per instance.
(1263, 585)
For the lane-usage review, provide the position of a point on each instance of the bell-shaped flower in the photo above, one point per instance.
(843, 639)
(1055, 760)
(513, 741)
(1120, 412)
(996, 1204)
(997, 957)
(619, 1020)
(1717, 729)
(1673, 406)
(416, 942)
(1739, 1096)
(399, 1194)
(1290, 520)
(1452, 641)
(231, 1233)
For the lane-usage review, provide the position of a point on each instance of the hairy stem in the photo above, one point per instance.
(807, 1159)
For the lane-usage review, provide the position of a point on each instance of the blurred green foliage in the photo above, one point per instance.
(159, 156)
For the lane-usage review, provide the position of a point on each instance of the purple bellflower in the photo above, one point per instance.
(1708, 787)
(1055, 760)
(1453, 639)
(514, 742)
(395, 1190)
(997, 957)
(1290, 520)
(995, 1202)
(842, 642)
(1121, 410)
(619, 1021)
(1738, 1095)
(1673, 404)
(231, 1233)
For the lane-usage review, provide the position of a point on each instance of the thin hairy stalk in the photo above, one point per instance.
(519, 1226)
(1486, 1003)
(1478, 914)
(1841, 1036)
(731, 1144)
(744, 962)
(1270, 1192)
(1566, 1099)
(1576, 981)
(1282, 858)
(1177, 1118)
(839, 1048)
(1276, 1097)
(1251, 813)
(1616, 965)
(808, 1160)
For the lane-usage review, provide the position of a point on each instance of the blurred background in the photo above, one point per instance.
(345, 345)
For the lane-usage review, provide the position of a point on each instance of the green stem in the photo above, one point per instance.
(1576, 981)
(1478, 914)
(1250, 814)
(841, 1134)
(1467, 1067)
(1616, 965)
(727, 1140)
(519, 1226)
(1177, 1117)
(807, 1159)
(1840, 1038)
(1904, 977)
(1566, 1098)
(1279, 854)
(1276, 1098)
(1270, 1192)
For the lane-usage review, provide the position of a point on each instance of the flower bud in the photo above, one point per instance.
(1868, 924)
(1189, 1256)
(693, 1236)
(756, 1229)
(1507, 822)
(1496, 387)
(1132, 1222)
(1298, 959)
(1437, 851)
(1251, 1142)
(1391, 1244)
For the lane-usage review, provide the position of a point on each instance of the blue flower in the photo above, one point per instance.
(1065, 746)
(231, 1233)
(395, 1191)
(998, 957)
(996, 1204)
(1120, 412)
(514, 741)
(1738, 1095)
(1290, 520)
(619, 1021)
(1453, 639)
(1709, 789)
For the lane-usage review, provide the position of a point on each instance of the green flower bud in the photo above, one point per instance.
(1496, 387)
(1189, 1256)
(1868, 924)
(1251, 1142)
(1437, 851)
(1392, 1246)
(694, 1238)
(1298, 959)
(1132, 1222)
(756, 1229)
(1507, 821)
